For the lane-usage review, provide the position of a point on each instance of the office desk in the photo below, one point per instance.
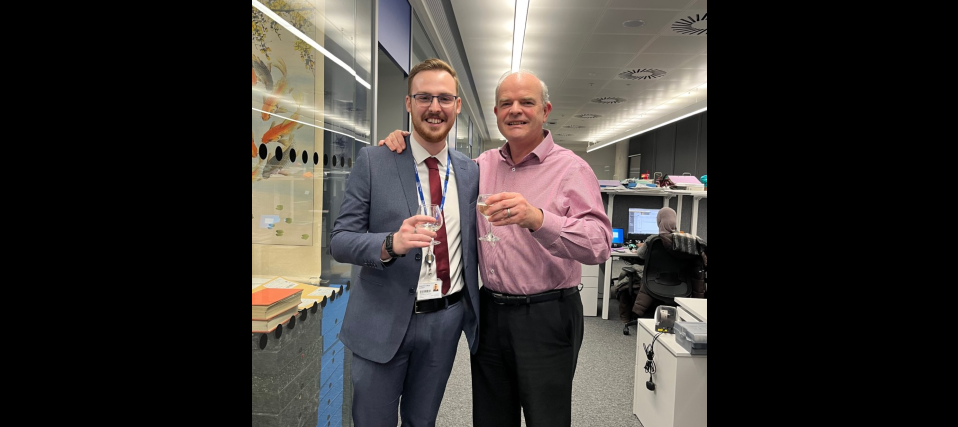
(697, 196)
(693, 309)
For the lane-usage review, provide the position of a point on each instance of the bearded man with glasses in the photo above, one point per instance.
(408, 311)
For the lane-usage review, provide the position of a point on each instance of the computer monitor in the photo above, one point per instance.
(642, 223)
(618, 237)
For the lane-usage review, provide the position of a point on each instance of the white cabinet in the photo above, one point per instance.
(590, 290)
(680, 398)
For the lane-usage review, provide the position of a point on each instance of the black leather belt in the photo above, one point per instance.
(505, 299)
(429, 306)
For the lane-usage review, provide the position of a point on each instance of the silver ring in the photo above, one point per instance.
(508, 213)
(415, 231)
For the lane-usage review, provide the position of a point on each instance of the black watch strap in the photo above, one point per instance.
(389, 247)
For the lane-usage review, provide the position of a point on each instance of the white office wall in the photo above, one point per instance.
(602, 162)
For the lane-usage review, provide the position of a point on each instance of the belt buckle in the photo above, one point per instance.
(499, 299)
(423, 310)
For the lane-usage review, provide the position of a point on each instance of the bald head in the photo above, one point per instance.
(522, 75)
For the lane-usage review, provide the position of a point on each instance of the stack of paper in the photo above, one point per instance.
(273, 307)
(311, 294)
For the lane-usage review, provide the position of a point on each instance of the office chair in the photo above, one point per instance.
(629, 284)
(669, 274)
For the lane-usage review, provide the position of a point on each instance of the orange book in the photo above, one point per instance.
(264, 326)
(269, 302)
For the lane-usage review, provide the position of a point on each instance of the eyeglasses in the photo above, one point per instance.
(425, 99)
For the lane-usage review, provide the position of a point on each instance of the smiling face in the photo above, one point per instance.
(520, 110)
(432, 123)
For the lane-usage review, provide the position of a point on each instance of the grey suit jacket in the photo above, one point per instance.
(381, 192)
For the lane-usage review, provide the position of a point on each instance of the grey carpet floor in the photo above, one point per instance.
(603, 386)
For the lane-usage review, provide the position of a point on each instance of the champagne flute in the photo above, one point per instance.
(484, 210)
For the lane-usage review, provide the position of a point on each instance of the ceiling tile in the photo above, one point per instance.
(579, 92)
(687, 77)
(678, 44)
(660, 61)
(607, 59)
(649, 4)
(628, 86)
(546, 64)
(656, 21)
(618, 43)
(594, 75)
(562, 20)
(700, 62)
(551, 44)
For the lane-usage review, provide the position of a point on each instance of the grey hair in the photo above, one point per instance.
(545, 89)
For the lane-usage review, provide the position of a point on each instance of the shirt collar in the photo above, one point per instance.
(420, 154)
(541, 152)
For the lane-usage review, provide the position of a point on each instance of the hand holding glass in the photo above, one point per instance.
(484, 210)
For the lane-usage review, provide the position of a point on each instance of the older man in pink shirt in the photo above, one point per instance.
(547, 212)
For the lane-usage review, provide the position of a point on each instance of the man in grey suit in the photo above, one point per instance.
(412, 300)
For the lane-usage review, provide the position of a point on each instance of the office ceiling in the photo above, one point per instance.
(613, 67)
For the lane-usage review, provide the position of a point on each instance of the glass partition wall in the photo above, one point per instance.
(311, 98)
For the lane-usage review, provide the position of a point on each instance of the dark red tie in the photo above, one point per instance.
(441, 250)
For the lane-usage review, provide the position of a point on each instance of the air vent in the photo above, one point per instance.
(574, 127)
(608, 100)
(588, 116)
(643, 74)
(697, 25)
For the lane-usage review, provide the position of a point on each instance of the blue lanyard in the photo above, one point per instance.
(419, 183)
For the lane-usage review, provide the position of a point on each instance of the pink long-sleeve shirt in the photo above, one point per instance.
(575, 230)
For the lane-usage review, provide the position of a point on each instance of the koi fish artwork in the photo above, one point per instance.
(262, 73)
(280, 89)
(278, 131)
(274, 166)
(282, 134)
(264, 169)
(258, 170)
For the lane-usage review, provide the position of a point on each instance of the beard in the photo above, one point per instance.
(429, 133)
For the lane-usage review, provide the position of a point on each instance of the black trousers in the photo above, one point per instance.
(526, 362)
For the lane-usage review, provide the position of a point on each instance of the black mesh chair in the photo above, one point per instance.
(667, 275)
(627, 290)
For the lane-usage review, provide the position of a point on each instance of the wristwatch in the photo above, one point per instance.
(389, 247)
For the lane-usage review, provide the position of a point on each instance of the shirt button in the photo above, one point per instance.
(491, 271)
(513, 169)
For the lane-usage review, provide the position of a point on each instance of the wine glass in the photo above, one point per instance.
(435, 212)
(484, 210)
